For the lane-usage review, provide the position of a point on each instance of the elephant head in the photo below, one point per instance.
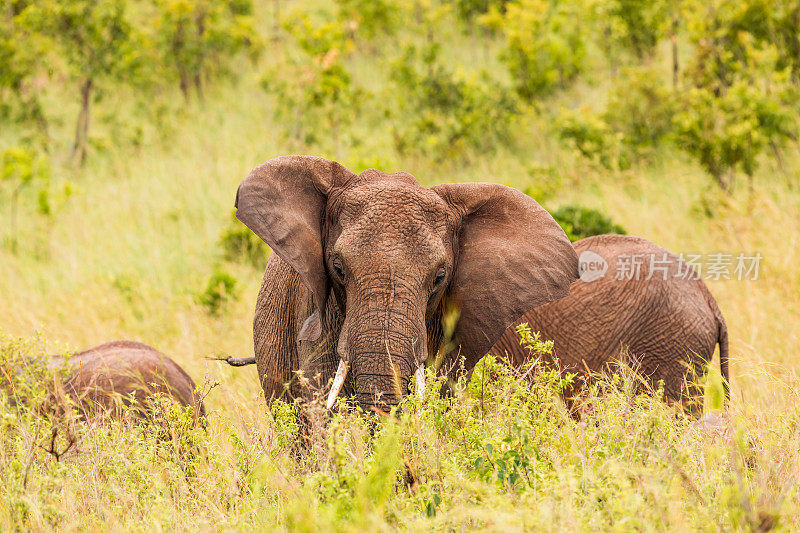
(393, 255)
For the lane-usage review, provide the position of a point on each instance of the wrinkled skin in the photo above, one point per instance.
(123, 367)
(365, 265)
(669, 326)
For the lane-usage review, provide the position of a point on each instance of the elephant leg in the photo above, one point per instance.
(274, 329)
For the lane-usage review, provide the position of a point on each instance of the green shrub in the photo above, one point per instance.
(318, 99)
(239, 244)
(469, 10)
(197, 38)
(371, 18)
(589, 134)
(641, 109)
(22, 167)
(545, 44)
(741, 98)
(447, 114)
(637, 25)
(637, 119)
(220, 290)
(581, 222)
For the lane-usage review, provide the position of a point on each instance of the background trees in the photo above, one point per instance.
(732, 102)
(196, 38)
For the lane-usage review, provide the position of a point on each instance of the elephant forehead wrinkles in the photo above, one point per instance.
(394, 205)
(393, 226)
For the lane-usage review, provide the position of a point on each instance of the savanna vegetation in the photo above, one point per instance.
(126, 126)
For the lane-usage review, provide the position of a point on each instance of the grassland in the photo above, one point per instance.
(128, 252)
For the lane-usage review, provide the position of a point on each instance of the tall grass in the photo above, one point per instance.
(503, 454)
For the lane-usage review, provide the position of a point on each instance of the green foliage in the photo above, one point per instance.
(240, 244)
(445, 114)
(741, 99)
(513, 466)
(25, 380)
(532, 341)
(316, 94)
(640, 108)
(580, 222)
(369, 18)
(97, 42)
(22, 167)
(220, 290)
(546, 44)
(638, 118)
(637, 25)
(593, 138)
(469, 10)
(197, 38)
(18, 56)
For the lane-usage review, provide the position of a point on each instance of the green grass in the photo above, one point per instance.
(130, 252)
(504, 454)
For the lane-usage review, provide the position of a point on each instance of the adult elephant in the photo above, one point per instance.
(365, 265)
(637, 296)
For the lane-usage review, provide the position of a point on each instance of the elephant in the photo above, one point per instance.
(660, 311)
(365, 266)
(95, 376)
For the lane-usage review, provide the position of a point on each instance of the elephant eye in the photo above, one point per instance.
(338, 267)
(440, 275)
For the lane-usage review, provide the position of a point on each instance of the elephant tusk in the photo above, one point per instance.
(338, 381)
(419, 377)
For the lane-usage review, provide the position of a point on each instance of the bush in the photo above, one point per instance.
(316, 92)
(240, 244)
(637, 119)
(448, 114)
(220, 290)
(370, 18)
(589, 134)
(741, 98)
(22, 166)
(581, 222)
(545, 44)
(640, 108)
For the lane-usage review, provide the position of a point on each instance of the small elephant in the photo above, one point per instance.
(123, 368)
(365, 266)
(635, 295)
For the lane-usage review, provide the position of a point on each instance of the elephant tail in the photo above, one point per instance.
(236, 361)
(244, 361)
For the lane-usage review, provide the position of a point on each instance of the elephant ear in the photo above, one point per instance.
(283, 201)
(511, 257)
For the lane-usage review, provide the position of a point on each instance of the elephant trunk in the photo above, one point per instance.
(384, 351)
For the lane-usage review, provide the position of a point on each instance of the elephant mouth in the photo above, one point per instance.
(374, 398)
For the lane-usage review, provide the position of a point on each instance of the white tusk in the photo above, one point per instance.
(419, 377)
(338, 381)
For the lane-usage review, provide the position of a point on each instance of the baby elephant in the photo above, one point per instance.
(637, 296)
(126, 368)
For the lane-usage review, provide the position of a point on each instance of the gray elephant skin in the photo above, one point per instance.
(364, 266)
(664, 316)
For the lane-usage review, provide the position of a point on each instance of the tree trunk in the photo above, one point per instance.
(82, 127)
(198, 85)
(184, 82)
(674, 39)
(198, 74)
(276, 15)
(178, 45)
